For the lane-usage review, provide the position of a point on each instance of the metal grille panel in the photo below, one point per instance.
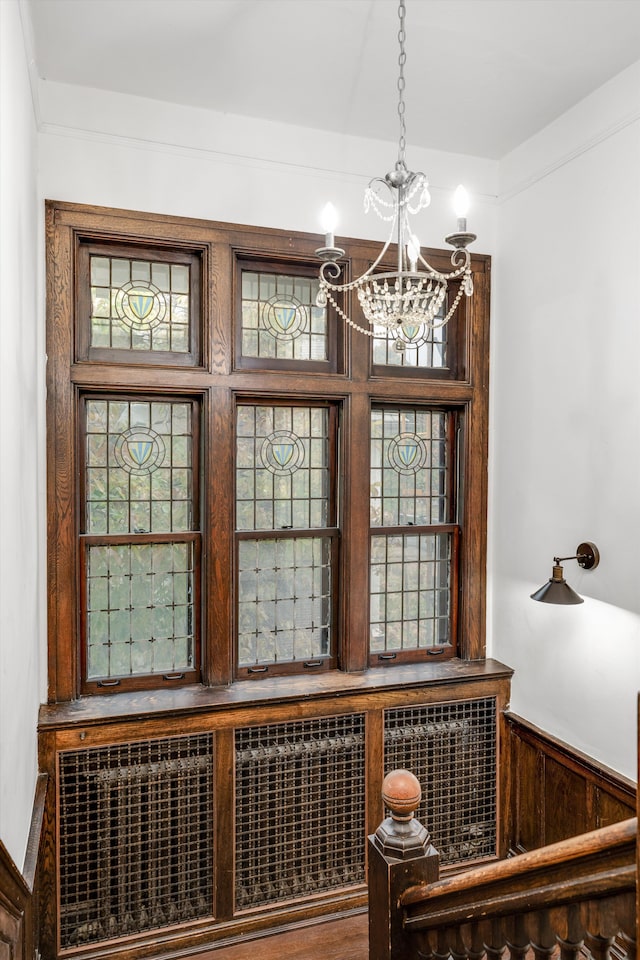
(300, 804)
(136, 837)
(451, 748)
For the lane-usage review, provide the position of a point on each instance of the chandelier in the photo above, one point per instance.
(399, 302)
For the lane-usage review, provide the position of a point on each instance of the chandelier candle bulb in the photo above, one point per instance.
(329, 220)
(413, 252)
(461, 207)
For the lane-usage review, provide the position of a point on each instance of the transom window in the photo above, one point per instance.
(241, 486)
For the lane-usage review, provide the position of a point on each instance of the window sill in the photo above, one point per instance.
(198, 699)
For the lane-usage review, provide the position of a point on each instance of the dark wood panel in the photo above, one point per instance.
(529, 798)
(344, 939)
(565, 802)
(19, 890)
(559, 792)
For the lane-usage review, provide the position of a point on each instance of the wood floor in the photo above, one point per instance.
(345, 939)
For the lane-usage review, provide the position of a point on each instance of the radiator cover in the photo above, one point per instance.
(452, 750)
(300, 809)
(136, 837)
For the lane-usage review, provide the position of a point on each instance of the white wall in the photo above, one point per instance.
(121, 151)
(22, 542)
(565, 447)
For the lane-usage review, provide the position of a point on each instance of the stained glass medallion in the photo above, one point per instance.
(140, 305)
(280, 319)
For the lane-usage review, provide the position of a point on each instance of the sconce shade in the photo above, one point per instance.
(556, 591)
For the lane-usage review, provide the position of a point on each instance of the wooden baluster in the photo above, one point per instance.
(495, 943)
(475, 943)
(543, 939)
(517, 937)
(599, 947)
(400, 855)
(459, 943)
(569, 930)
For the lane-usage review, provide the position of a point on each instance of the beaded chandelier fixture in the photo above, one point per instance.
(399, 302)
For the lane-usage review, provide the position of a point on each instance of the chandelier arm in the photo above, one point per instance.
(458, 271)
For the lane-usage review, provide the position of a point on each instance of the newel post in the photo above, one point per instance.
(400, 855)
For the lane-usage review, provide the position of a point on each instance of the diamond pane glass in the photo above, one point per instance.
(139, 609)
(139, 305)
(408, 482)
(282, 467)
(415, 345)
(410, 592)
(280, 319)
(284, 600)
(139, 476)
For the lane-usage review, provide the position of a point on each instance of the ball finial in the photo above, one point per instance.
(401, 793)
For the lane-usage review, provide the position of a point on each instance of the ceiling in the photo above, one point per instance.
(482, 76)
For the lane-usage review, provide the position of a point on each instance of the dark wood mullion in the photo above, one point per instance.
(355, 520)
(473, 574)
(219, 539)
(61, 466)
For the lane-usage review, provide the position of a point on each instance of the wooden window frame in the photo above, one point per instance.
(86, 539)
(88, 247)
(216, 381)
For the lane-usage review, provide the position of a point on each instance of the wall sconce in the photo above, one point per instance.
(557, 590)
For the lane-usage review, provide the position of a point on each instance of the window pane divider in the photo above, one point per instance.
(287, 532)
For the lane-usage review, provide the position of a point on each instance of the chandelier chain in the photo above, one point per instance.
(402, 59)
(398, 302)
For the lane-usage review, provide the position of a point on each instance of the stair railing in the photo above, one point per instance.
(573, 897)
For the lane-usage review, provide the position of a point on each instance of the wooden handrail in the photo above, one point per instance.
(589, 866)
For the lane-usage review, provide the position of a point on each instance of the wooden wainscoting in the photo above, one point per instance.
(556, 792)
(19, 891)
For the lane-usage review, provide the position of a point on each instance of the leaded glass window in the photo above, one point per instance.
(410, 596)
(280, 318)
(139, 609)
(413, 552)
(139, 475)
(140, 547)
(139, 305)
(286, 533)
(409, 469)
